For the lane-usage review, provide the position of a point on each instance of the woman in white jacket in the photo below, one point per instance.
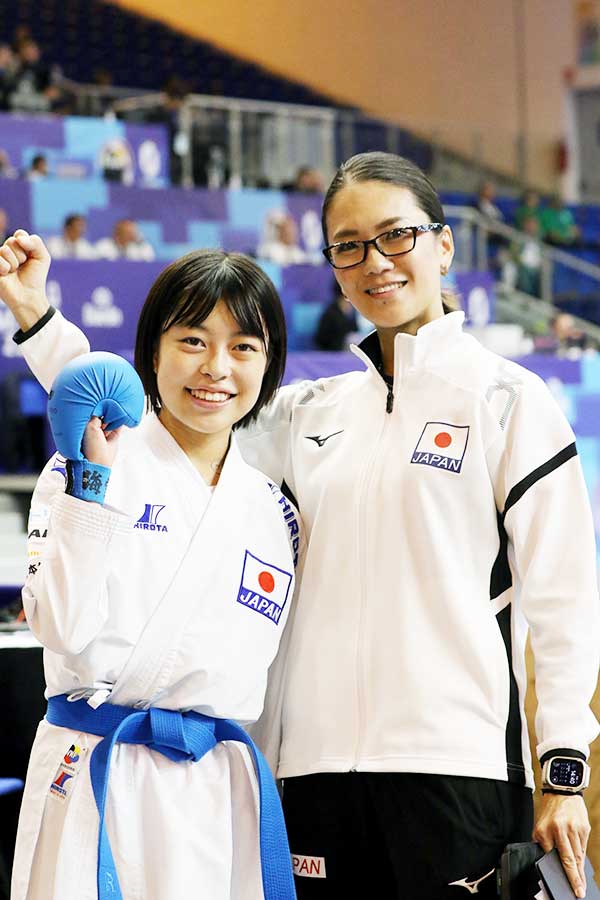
(447, 514)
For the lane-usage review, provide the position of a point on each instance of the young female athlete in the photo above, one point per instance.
(447, 515)
(160, 607)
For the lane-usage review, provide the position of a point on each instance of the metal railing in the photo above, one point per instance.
(472, 235)
(260, 142)
(233, 142)
(262, 139)
(535, 315)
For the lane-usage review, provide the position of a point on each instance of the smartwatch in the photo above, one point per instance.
(565, 775)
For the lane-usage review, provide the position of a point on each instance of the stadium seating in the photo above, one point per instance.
(141, 53)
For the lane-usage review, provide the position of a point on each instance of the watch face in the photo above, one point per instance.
(566, 773)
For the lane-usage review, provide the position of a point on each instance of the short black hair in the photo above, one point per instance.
(72, 217)
(188, 290)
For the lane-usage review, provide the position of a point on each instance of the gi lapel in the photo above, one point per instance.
(148, 668)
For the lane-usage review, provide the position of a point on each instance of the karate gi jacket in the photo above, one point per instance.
(171, 594)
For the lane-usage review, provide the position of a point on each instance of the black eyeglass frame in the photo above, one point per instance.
(416, 229)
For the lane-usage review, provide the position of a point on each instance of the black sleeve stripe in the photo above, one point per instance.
(501, 576)
(21, 336)
(545, 469)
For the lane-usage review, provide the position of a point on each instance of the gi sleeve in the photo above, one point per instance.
(50, 344)
(545, 511)
(267, 730)
(70, 547)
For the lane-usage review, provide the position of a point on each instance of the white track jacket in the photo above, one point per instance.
(444, 521)
(155, 596)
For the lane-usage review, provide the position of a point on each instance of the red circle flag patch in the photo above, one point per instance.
(264, 587)
(267, 582)
(442, 445)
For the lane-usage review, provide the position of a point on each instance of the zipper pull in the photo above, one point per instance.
(390, 399)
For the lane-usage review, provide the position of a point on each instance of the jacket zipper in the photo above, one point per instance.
(362, 543)
(389, 404)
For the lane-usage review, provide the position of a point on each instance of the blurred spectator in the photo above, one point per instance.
(6, 169)
(485, 202)
(529, 208)
(97, 101)
(21, 35)
(116, 161)
(209, 157)
(126, 243)
(174, 92)
(7, 75)
(280, 243)
(308, 180)
(337, 322)
(38, 168)
(33, 90)
(216, 168)
(4, 232)
(72, 244)
(496, 242)
(565, 338)
(558, 224)
(567, 335)
(523, 269)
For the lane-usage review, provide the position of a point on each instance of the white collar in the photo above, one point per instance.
(431, 342)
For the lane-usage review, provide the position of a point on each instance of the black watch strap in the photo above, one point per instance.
(562, 751)
(562, 793)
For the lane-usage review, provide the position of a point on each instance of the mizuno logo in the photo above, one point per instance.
(321, 440)
(472, 886)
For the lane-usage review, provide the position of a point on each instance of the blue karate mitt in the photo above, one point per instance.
(96, 384)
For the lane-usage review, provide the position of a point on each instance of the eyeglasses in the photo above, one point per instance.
(346, 254)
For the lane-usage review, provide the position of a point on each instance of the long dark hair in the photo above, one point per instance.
(396, 170)
(186, 293)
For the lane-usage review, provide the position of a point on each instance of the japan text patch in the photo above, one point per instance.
(442, 445)
(263, 588)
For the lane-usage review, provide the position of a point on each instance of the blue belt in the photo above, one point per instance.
(180, 737)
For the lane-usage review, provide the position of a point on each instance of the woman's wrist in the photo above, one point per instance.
(29, 313)
(87, 480)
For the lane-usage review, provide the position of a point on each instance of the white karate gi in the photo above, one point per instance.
(157, 594)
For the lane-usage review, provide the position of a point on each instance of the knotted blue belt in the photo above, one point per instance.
(180, 737)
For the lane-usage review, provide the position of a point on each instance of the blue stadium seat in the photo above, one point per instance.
(142, 53)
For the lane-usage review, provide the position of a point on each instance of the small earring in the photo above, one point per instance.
(443, 270)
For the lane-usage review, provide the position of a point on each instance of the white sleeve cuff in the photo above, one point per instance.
(89, 519)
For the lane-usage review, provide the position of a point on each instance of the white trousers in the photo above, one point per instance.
(175, 829)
